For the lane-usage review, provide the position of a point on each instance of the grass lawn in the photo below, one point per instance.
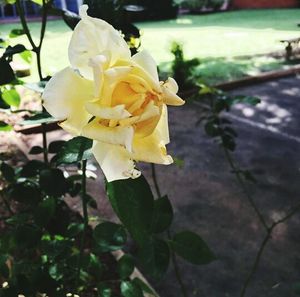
(207, 37)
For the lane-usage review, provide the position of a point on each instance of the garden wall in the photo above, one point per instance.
(264, 3)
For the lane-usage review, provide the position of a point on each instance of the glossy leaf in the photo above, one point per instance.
(130, 289)
(25, 192)
(36, 150)
(6, 73)
(154, 258)
(109, 236)
(75, 150)
(133, 202)
(163, 214)
(53, 182)
(11, 97)
(16, 32)
(56, 146)
(192, 248)
(125, 266)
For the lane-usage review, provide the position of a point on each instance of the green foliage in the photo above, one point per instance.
(75, 150)
(182, 69)
(125, 266)
(192, 248)
(163, 215)
(4, 127)
(130, 289)
(155, 257)
(109, 236)
(133, 202)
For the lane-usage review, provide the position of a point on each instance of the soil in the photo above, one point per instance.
(207, 199)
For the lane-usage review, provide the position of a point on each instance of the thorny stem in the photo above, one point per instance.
(243, 186)
(85, 219)
(37, 50)
(173, 256)
(263, 245)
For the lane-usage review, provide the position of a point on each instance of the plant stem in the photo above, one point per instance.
(173, 256)
(24, 24)
(85, 220)
(244, 188)
(37, 50)
(263, 245)
(158, 193)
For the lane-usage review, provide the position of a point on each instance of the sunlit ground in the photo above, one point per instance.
(227, 35)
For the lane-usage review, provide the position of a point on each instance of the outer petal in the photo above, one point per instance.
(171, 98)
(115, 161)
(92, 37)
(151, 149)
(65, 96)
(163, 126)
(113, 135)
(145, 60)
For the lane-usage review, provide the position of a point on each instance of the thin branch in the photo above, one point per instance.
(154, 178)
(243, 186)
(85, 220)
(24, 24)
(263, 245)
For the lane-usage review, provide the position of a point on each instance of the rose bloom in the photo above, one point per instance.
(113, 98)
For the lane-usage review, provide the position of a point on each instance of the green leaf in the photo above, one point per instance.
(7, 171)
(95, 266)
(74, 229)
(56, 146)
(26, 56)
(109, 236)
(16, 32)
(11, 97)
(130, 289)
(39, 118)
(32, 168)
(44, 212)
(4, 271)
(133, 202)
(155, 257)
(192, 248)
(6, 73)
(53, 182)
(5, 127)
(25, 192)
(143, 286)
(36, 150)
(163, 214)
(75, 150)
(104, 290)
(12, 50)
(27, 236)
(125, 266)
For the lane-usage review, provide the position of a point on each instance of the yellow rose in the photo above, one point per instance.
(113, 98)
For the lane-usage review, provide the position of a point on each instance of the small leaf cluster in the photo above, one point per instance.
(41, 246)
(147, 221)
